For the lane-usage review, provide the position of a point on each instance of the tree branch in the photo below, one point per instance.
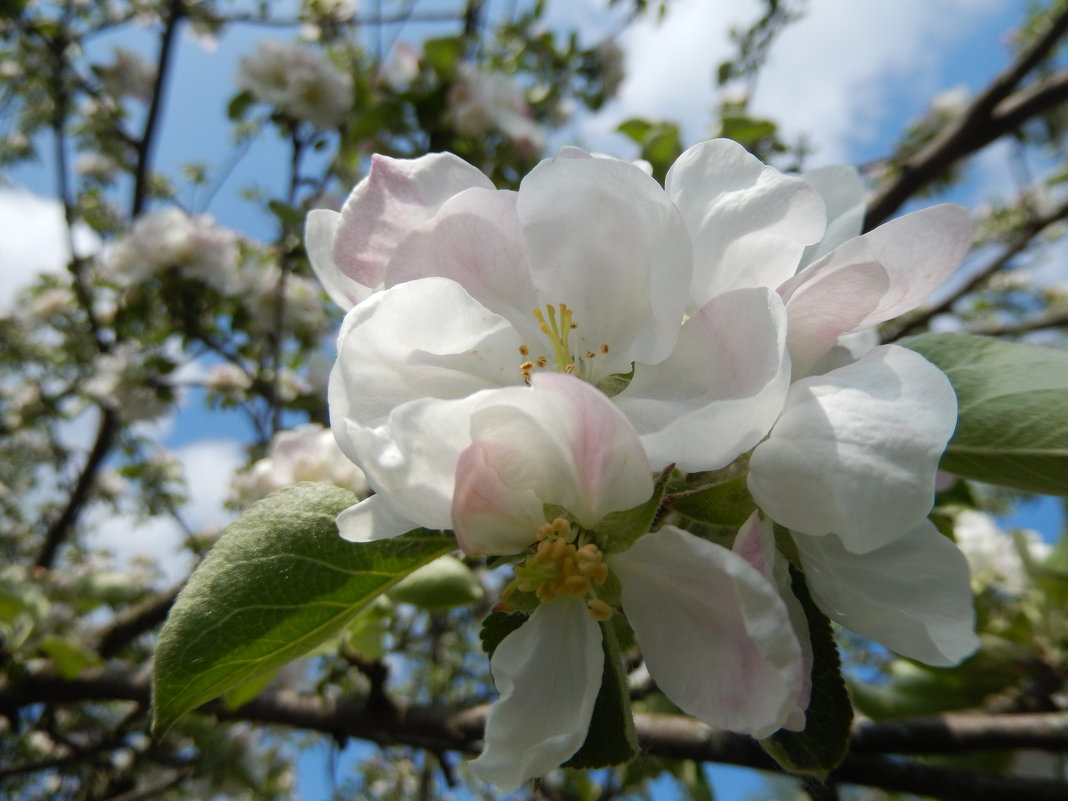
(993, 113)
(1018, 241)
(136, 621)
(439, 729)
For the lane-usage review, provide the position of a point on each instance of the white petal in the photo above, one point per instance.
(566, 442)
(844, 199)
(319, 240)
(721, 389)
(425, 338)
(410, 459)
(603, 238)
(476, 240)
(548, 673)
(395, 197)
(873, 278)
(714, 632)
(749, 222)
(912, 595)
(756, 544)
(488, 516)
(855, 451)
(373, 519)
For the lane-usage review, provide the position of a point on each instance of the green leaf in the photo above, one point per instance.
(727, 503)
(637, 129)
(497, 626)
(1013, 406)
(821, 746)
(618, 531)
(611, 739)
(443, 584)
(442, 54)
(69, 658)
(239, 104)
(277, 583)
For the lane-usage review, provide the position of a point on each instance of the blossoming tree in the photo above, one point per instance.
(565, 471)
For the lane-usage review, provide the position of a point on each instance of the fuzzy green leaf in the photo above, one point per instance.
(822, 744)
(277, 583)
(1013, 407)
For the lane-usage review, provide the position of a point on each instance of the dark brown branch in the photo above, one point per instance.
(1017, 242)
(1023, 326)
(106, 434)
(439, 729)
(176, 10)
(993, 113)
(136, 621)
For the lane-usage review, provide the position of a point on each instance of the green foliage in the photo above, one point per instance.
(618, 531)
(660, 142)
(611, 739)
(278, 582)
(443, 584)
(1013, 410)
(822, 744)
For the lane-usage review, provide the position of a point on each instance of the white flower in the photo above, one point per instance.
(128, 75)
(122, 381)
(599, 250)
(298, 81)
(401, 68)
(991, 553)
(689, 601)
(912, 595)
(482, 101)
(305, 453)
(196, 246)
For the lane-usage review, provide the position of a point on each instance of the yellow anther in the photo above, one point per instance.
(524, 350)
(562, 526)
(541, 361)
(590, 354)
(526, 366)
(604, 348)
(577, 586)
(598, 610)
(569, 369)
(599, 575)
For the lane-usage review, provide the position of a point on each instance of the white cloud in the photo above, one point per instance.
(836, 74)
(33, 240)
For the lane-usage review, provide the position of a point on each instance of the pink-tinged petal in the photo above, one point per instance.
(411, 457)
(396, 196)
(855, 450)
(565, 441)
(749, 222)
(426, 338)
(603, 238)
(755, 543)
(838, 304)
(476, 240)
(843, 196)
(572, 152)
(548, 674)
(720, 391)
(912, 595)
(692, 603)
(319, 240)
(373, 519)
(488, 516)
(912, 255)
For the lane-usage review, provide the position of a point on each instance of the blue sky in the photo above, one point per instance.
(850, 75)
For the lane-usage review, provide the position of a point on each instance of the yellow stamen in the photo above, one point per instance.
(598, 610)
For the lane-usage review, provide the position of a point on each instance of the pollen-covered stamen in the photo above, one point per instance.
(559, 568)
(558, 330)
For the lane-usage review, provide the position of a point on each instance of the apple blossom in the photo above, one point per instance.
(482, 101)
(561, 443)
(993, 557)
(305, 453)
(912, 594)
(196, 246)
(299, 81)
(445, 272)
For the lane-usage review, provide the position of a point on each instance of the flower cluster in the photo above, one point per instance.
(299, 81)
(506, 353)
(482, 101)
(159, 240)
(305, 453)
